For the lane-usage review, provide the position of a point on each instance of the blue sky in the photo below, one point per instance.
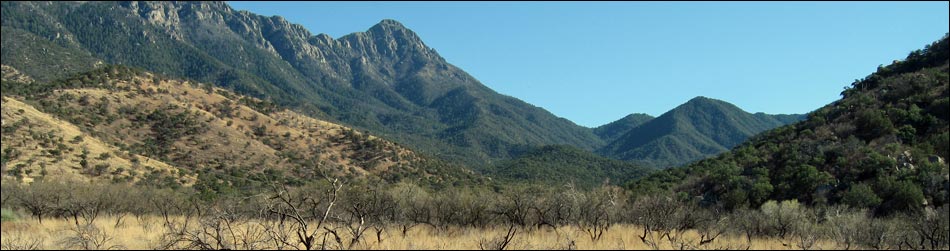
(595, 62)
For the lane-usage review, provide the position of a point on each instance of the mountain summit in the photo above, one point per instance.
(697, 129)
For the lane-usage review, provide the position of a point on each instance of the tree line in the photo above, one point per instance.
(336, 214)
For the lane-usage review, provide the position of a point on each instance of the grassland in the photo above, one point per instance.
(150, 233)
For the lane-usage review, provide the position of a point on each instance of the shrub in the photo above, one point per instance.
(8, 215)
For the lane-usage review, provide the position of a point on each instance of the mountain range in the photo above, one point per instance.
(700, 128)
(384, 82)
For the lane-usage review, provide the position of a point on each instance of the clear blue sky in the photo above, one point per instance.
(595, 62)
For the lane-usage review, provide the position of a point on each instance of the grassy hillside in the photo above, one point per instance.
(138, 126)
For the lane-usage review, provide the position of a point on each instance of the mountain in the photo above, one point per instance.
(125, 125)
(385, 80)
(613, 130)
(560, 165)
(700, 128)
(882, 146)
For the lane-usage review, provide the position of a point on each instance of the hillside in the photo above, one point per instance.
(560, 165)
(700, 128)
(385, 80)
(122, 124)
(613, 130)
(882, 146)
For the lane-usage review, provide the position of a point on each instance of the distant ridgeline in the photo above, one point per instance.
(698, 129)
(883, 145)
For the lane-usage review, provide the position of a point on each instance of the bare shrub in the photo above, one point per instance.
(515, 207)
(926, 230)
(41, 198)
(596, 210)
(653, 214)
(807, 230)
(500, 242)
(88, 237)
(16, 240)
(553, 210)
(844, 226)
(299, 210)
(413, 207)
(782, 218)
(878, 234)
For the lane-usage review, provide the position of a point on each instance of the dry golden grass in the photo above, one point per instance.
(146, 234)
(34, 153)
(230, 139)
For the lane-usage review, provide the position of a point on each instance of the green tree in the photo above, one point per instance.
(861, 196)
(872, 123)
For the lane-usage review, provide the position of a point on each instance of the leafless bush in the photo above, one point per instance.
(88, 237)
(413, 207)
(844, 226)
(552, 210)
(220, 227)
(500, 242)
(653, 214)
(596, 210)
(298, 210)
(782, 217)
(364, 208)
(927, 229)
(569, 243)
(41, 198)
(748, 222)
(878, 234)
(807, 230)
(710, 224)
(515, 207)
(16, 240)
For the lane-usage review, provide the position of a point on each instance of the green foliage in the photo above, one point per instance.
(168, 126)
(879, 147)
(899, 196)
(614, 130)
(861, 196)
(8, 215)
(872, 124)
(559, 165)
(698, 129)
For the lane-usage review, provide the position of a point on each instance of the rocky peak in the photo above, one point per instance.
(390, 41)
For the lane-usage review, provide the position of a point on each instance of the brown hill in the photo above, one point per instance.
(137, 126)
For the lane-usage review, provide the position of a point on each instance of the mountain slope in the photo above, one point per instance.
(613, 130)
(385, 79)
(560, 165)
(700, 128)
(882, 146)
(139, 126)
(37, 144)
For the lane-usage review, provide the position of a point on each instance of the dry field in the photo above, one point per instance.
(148, 232)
